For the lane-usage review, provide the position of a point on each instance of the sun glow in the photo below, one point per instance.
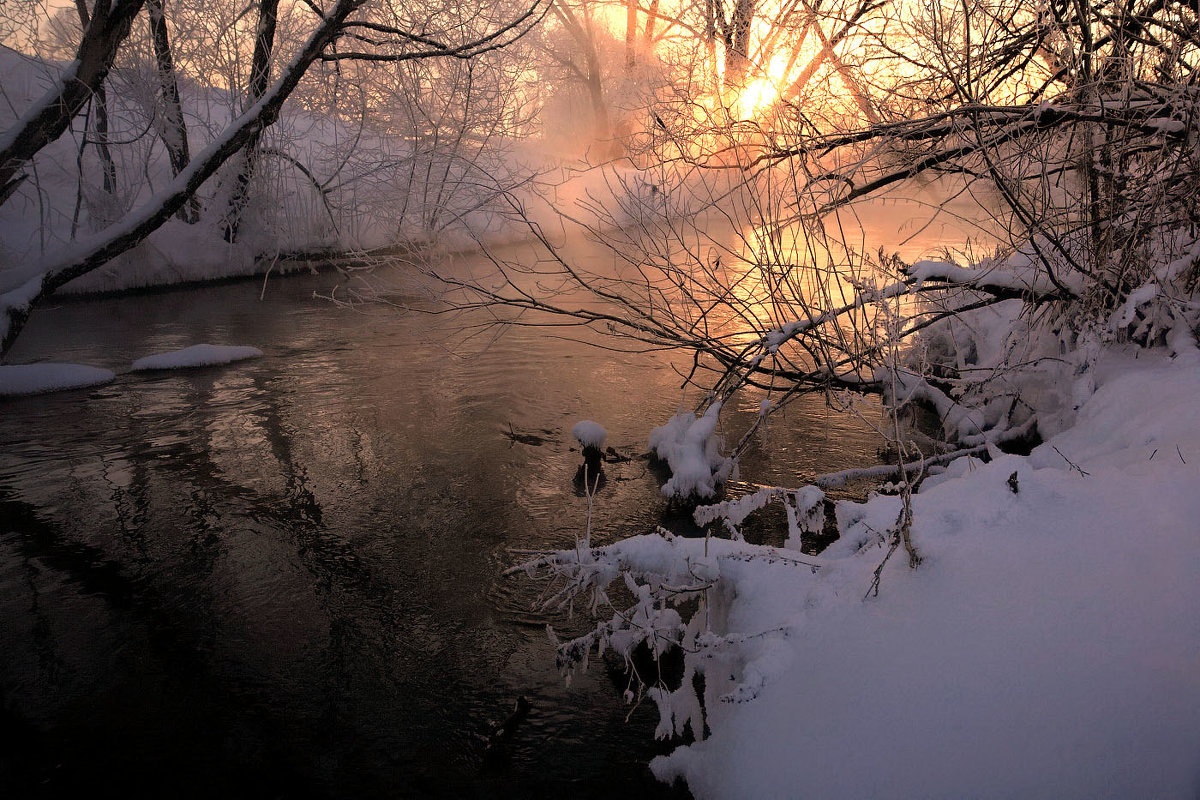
(757, 95)
(761, 93)
(764, 83)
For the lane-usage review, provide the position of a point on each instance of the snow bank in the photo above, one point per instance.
(20, 379)
(198, 355)
(1048, 646)
(377, 200)
(589, 434)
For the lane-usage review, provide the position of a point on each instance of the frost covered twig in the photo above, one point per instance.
(665, 574)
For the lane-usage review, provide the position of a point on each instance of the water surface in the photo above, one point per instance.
(283, 577)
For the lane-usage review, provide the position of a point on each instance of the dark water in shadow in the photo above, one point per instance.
(282, 578)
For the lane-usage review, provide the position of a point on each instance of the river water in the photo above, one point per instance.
(283, 577)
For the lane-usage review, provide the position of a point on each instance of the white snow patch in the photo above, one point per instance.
(805, 515)
(690, 447)
(198, 355)
(590, 434)
(1167, 125)
(1127, 313)
(20, 379)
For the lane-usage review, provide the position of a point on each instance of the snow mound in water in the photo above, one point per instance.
(198, 355)
(19, 379)
(590, 434)
(690, 447)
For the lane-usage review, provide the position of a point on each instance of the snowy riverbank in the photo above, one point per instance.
(1047, 646)
(366, 199)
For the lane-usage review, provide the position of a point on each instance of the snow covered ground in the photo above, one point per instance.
(1047, 647)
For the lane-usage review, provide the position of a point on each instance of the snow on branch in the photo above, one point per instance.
(664, 573)
(1029, 284)
(15, 306)
(805, 509)
(1026, 285)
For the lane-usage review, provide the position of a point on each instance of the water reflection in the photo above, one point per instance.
(283, 576)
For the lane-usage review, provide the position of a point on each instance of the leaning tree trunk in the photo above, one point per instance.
(49, 117)
(172, 128)
(260, 73)
(858, 93)
(828, 53)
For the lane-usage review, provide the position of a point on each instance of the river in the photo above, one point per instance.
(283, 577)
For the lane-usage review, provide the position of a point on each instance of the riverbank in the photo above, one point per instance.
(1047, 646)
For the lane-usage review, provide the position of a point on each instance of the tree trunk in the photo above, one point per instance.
(596, 94)
(648, 36)
(52, 114)
(260, 74)
(99, 127)
(710, 38)
(737, 43)
(630, 34)
(172, 128)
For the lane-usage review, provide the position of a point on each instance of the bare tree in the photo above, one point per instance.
(104, 31)
(588, 68)
(260, 76)
(1075, 128)
(50, 117)
(172, 128)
